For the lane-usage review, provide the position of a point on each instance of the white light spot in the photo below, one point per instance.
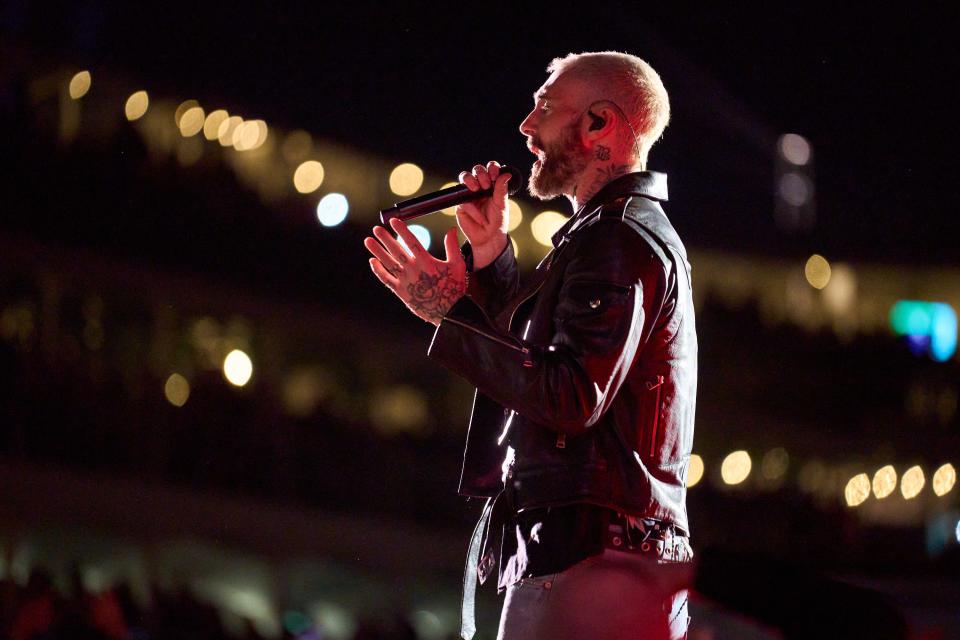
(795, 149)
(237, 368)
(332, 209)
(422, 234)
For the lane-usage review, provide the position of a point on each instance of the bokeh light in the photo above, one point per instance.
(884, 482)
(181, 109)
(429, 626)
(735, 467)
(303, 390)
(406, 179)
(401, 408)
(943, 332)
(296, 623)
(774, 464)
(263, 132)
(794, 149)
(226, 129)
(177, 390)
(545, 225)
(308, 177)
(211, 126)
(841, 294)
(695, 472)
(237, 368)
(515, 215)
(516, 249)
(421, 233)
(857, 490)
(795, 189)
(817, 271)
(944, 479)
(191, 122)
(137, 105)
(80, 84)
(332, 209)
(912, 482)
(245, 135)
(449, 211)
(931, 326)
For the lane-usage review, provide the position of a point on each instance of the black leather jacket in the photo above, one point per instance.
(596, 392)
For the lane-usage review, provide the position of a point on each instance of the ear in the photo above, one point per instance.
(599, 122)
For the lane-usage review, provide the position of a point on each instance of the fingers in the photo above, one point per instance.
(383, 275)
(481, 177)
(500, 186)
(452, 246)
(389, 263)
(480, 173)
(412, 243)
(493, 170)
(469, 181)
(471, 213)
(396, 250)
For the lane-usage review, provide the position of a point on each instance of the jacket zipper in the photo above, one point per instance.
(490, 336)
(656, 416)
(527, 362)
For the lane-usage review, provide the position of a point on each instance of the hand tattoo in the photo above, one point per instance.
(602, 153)
(431, 296)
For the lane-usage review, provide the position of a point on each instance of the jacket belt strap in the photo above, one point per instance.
(481, 559)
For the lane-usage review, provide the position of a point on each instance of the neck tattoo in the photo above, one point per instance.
(604, 175)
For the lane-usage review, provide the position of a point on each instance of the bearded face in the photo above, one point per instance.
(561, 163)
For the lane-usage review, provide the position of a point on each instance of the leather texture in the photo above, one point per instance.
(587, 375)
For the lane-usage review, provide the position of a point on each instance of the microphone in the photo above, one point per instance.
(430, 202)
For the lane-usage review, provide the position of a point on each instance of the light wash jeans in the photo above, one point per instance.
(611, 596)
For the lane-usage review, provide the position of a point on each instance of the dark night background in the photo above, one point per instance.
(231, 509)
(869, 88)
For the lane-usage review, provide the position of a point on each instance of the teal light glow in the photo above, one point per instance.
(930, 324)
(911, 318)
(943, 332)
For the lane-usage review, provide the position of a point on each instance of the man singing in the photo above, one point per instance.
(586, 376)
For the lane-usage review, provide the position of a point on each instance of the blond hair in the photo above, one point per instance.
(628, 82)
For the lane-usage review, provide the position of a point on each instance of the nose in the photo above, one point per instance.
(527, 127)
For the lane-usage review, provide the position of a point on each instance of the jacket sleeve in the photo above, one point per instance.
(612, 291)
(494, 285)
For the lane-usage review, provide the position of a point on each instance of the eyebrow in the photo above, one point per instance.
(540, 94)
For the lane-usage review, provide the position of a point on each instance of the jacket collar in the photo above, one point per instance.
(649, 184)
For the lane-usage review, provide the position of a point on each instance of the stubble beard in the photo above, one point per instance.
(562, 164)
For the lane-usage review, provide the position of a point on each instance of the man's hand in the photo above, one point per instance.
(484, 221)
(429, 287)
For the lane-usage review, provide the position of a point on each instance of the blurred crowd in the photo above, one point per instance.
(38, 610)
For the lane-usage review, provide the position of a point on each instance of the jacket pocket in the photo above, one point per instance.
(585, 299)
